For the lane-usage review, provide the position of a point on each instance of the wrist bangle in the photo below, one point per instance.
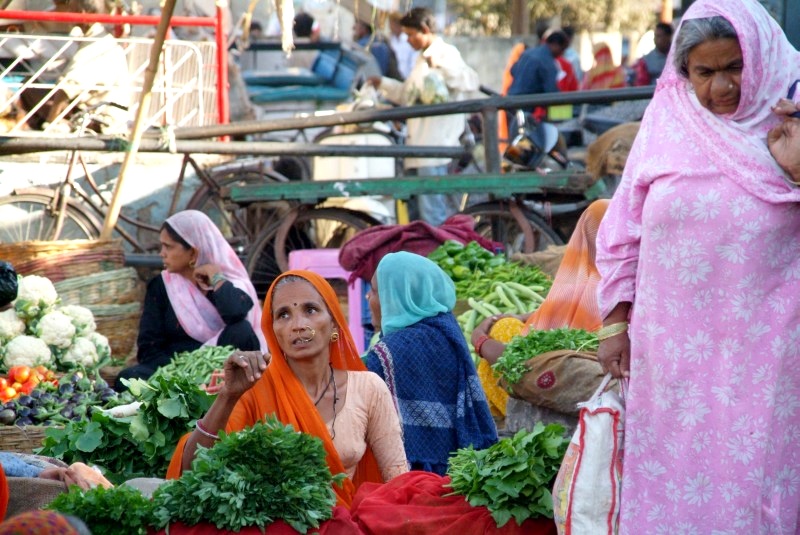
(217, 278)
(609, 331)
(479, 343)
(205, 432)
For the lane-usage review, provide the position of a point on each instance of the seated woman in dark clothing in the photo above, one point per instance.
(424, 359)
(202, 297)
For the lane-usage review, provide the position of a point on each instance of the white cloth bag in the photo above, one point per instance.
(587, 488)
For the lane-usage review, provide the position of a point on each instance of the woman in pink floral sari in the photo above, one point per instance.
(700, 252)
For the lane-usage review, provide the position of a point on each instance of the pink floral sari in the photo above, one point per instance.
(703, 236)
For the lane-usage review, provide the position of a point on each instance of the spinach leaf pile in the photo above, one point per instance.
(121, 509)
(512, 364)
(513, 477)
(252, 478)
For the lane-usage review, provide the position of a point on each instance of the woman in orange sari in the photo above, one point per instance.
(315, 381)
(572, 300)
(604, 74)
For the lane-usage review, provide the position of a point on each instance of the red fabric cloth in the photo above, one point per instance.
(416, 503)
(340, 524)
(362, 253)
(3, 494)
(569, 82)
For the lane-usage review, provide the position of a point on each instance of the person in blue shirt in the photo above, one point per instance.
(383, 53)
(536, 70)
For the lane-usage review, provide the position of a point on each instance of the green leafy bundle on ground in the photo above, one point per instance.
(253, 478)
(512, 364)
(121, 509)
(133, 446)
(513, 477)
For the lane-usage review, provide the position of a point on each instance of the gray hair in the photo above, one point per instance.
(695, 32)
(295, 278)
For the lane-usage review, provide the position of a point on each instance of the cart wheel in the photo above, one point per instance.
(305, 227)
(495, 221)
(29, 216)
(239, 224)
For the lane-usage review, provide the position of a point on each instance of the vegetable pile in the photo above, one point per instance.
(120, 509)
(37, 331)
(512, 364)
(252, 478)
(474, 270)
(513, 477)
(139, 445)
(196, 366)
(22, 380)
(59, 402)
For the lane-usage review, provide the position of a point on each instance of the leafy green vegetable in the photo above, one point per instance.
(134, 446)
(513, 477)
(512, 364)
(197, 365)
(252, 478)
(121, 509)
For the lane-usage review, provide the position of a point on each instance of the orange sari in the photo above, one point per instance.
(280, 393)
(502, 119)
(605, 74)
(572, 300)
(3, 494)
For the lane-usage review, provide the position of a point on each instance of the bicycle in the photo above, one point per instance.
(75, 208)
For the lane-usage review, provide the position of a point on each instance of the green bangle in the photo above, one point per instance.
(217, 278)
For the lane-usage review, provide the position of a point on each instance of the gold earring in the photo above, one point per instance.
(334, 337)
(192, 264)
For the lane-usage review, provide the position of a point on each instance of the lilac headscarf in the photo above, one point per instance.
(737, 141)
(196, 314)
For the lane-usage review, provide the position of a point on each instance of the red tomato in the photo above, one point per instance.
(3, 383)
(19, 373)
(8, 393)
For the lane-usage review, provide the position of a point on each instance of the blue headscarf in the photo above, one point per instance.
(411, 288)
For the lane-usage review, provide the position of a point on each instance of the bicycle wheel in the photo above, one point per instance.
(313, 228)
(239, 224)
(29, 216)
(495, 221)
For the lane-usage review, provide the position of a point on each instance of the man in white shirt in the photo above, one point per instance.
(439, 75)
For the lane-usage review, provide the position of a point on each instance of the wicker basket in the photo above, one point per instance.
(119, 286)
(21, 439)
(120, 324)
(25, 251)
(74, 263)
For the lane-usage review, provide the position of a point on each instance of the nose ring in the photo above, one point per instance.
(730, 86)
(311, 334)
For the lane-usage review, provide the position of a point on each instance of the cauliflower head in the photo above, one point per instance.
(27, 351)
(10, 325)
(81, 353)
(101, 345)
(82, 318)
(36, 296)
(56, 329)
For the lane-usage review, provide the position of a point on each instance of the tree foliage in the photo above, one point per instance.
(493, 17)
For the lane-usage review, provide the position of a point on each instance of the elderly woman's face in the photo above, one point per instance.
(301, 320)
(715, 72)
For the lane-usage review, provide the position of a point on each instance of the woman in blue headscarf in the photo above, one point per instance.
(424, 359)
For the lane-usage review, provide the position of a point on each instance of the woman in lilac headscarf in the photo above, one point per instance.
(700, 252)
(202, 297)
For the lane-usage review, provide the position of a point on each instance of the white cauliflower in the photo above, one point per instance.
(101, 344)
(81, 353)
(10, 325)
(27, 351)
(56, 329)
(82, 318)
(36, 296)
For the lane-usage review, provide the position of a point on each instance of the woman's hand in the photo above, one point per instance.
(66, 475)
(614, 355)
(374, 81)
(241, 371)
(204, 274)
(784, 145)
